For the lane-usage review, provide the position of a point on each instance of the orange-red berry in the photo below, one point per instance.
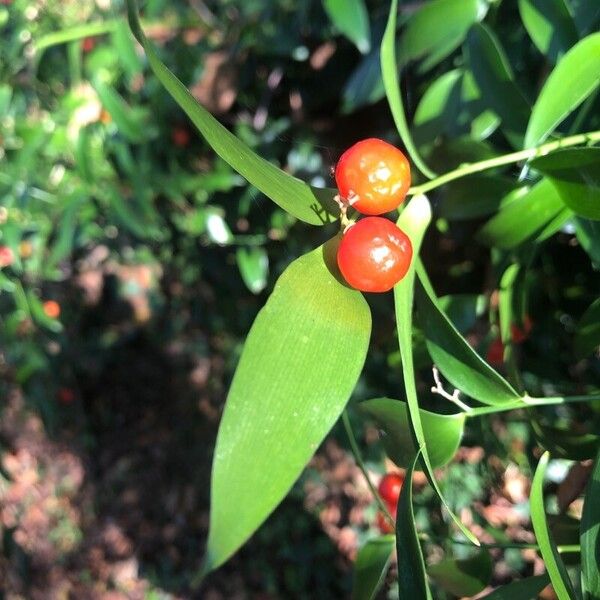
(373, 176)
(6, 256)
(51, 309)
(180, 136)
(520, 334)
(495, 353)
(65, 395)
(389, 488)
(88, 44)
(383, 523)
(374, 255)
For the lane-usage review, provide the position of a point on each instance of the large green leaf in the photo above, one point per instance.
(464, 576)
(455, 358)
(590, 536)
(524, 589)
(573, 79)
(389, 72)
(554, 564)
(296, 197)
(412, 578)
(452, 106)
(550, 25)
(442, 432)
(371, 566)
(528, 212)
(287, 392)
(437, 29)
(414, 221)
(352, 19)
(495, 79)
(575, 172)
(587, 337)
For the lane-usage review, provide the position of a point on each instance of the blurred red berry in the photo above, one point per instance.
(6, 256)
(51, 309)
(495, 353)
(519, 335)
(389, 488)
(180, 136)
(65, 395)
(383, 523)
(88, 44)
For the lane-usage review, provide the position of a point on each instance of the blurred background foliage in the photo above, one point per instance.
(133, 262)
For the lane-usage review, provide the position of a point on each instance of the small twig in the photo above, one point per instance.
(438, 388)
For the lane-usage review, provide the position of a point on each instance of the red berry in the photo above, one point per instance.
(373, 176)
(65, 395)
(519, 335)
(51, 309)
(180, 136)
(6, 256)
(383, 523)
(88, 44)
(389, 488)
(374, 255)
(495, 353)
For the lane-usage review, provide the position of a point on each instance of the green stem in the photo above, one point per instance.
(528, 402)
(363, 468)
(506, 159)
(520, 546)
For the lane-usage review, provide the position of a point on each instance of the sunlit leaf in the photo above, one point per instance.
(287, 392)
(554, 563)
(352, 19)
(574, 78)
(523, 589)
(442, 432)
(550, 25)
(253, 264)
(296, 197)
(371, 566)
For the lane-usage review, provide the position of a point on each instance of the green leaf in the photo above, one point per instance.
(253, 264)
(573, 79)
(550, 25)
(465, 576)
(554, 564)
(526, 213)
(412, 578)
(587, 337)
(524, 589)
(474, 196)
(308, 204)
(455, 358)
(372, 563)
(437, 29)
(575, 172)
(590, 536)
(452, 106)
(352, 19)
(494, 77)
(389, 71)
(414, 221)
(588, 235)
(463, 309)
(442, 432)
(126, 50)
(287, 392)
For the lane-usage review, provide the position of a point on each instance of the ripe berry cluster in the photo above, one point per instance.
(389, 490)
(373, 177)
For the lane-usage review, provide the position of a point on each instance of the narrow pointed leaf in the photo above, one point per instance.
(523, 217)
(308, 204)
(464, 576)
(554, 564)
(442, 432)
(412, 578)
(287, 392)
(494, 77)
(389, 70)
(550, 25)
(253, 264)
(456, 359)
(371, 566)
(575, 173)
(352, 19)
(414, 221)
(573, 79)
(524, 589)
(590, 536)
